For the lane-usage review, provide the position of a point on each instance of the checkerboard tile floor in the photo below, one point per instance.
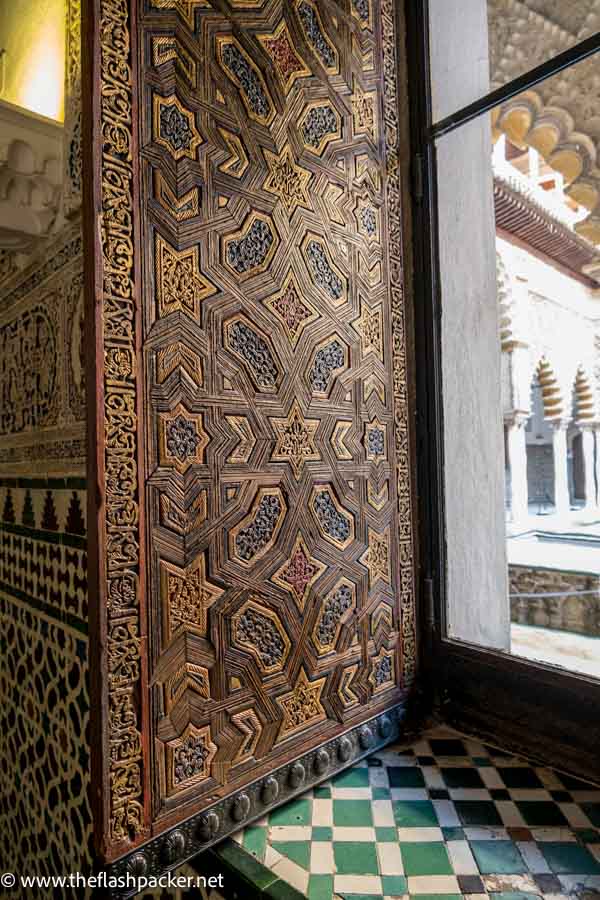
(441, 818)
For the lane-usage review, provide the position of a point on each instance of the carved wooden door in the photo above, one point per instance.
(258, 512)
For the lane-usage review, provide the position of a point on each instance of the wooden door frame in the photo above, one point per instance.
(533, 708)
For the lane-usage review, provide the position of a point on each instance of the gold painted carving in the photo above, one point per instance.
(292, 309)
(301, 707)
(166, 48)
(338, 439)
(179, 208)
(178, 356)
(174, 127)
(182, 439)
(369, 326)
(295, 443)
(237, 162)
(187, 595)
(287, 180)
(189, 758)
(246, 441)
(121, 523)
(364, 113)
(179, 283)
(376, 557)
(185, 8)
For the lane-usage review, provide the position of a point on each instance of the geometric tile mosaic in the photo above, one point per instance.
(443, 817)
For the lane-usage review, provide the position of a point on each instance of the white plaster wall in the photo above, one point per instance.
(458, 40)
(478, 609)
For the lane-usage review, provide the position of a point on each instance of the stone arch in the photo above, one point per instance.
(529, 122)
(505, 304)
(585, 407)
(552, 395)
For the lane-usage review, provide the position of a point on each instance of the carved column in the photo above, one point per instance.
(517, 462)
(562, 503)
(588, 432)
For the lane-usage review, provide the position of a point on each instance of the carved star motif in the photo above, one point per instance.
(369, 326)
(364, 113)
(376, 557)
(187, 595)
(182, 439)
(299, 572)
(179, 283)
(280, 48)
(301, 707)
(287, 180)
(174, 127)
(295, 440)
(292, 309)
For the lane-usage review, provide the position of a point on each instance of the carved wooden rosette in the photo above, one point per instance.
(269, 374)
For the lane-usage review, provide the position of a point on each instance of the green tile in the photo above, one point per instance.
(592, 811)
(255, 841)
(322, 793)
(282, 890)
(322, 833)
(297, 851)
(405, 777)
(297, 812)
(569, 859)
(358, 777)
(320, 887)
(394, 885)
(440, 896)
(520, 777)
(385, 835)
(541, 813)
(380, 793)
(462, 777)
(498, 858)
(346, 896)
(515, 895)
(425, 859)
(414, 814)
(453, 834)
(244, 865)
(477, 812)
(355, 858)
(352, 813)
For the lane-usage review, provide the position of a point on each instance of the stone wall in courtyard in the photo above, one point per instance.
(575, 612)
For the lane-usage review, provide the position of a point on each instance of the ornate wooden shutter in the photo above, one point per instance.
(255, 543)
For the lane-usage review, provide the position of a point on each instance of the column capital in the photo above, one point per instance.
(517, 418)
(588, 425)
(559, 424)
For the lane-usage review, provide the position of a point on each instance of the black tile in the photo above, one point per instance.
(548, 884)
(541, 814)
(470, 884)
(592, 811)
(449, 747)
(561, 796)
(426, 760)
(499, 794)
(374, 763)
(405, 777)
(461, 777)
(438, 794)
(520, 777)
(477, 812)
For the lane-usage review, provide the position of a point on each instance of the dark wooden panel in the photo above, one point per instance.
(271, 497)
(260, 559)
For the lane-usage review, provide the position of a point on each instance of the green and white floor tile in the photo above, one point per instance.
(442, 818)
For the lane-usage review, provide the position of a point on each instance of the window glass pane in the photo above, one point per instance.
(479, 45)
(519, 238)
